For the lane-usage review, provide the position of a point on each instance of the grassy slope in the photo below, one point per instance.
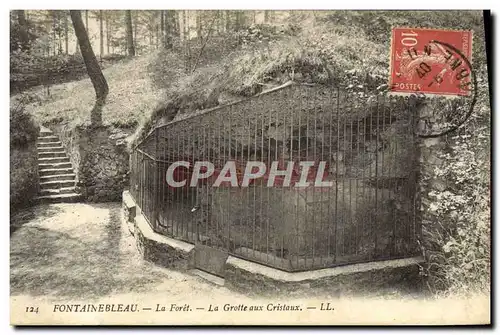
(131, 95)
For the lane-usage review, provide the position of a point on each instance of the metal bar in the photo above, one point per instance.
(351, 231)
(392, 168)
(337, 176)
(412, 241)
(177, 193)
(383, 163)
(184, 190)
(171, 194)
(229, 189)
(376, 173)
(322, 215)
(364, 194)
(356, 174)
(254, 189)
(306, 216)
(295, 193)
(314, 200)
(194, 190)
(344, 168)
(268, 188)
(299, 158)
(416, 221)
(330, 158)
(370, 180)
(156, 184)
(244, 192)
(163, 181)
(284, 249)
(246, 197)
(206, 214)
(263, 232)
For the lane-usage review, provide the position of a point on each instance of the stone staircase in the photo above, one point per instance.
(57, 179)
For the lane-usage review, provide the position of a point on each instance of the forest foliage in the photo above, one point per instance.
(23, 158)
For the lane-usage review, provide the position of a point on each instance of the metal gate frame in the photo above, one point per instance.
(314, 120)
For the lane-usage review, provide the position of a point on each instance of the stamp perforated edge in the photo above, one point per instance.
(446, 95)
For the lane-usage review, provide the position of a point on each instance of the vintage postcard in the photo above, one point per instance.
(257, 167)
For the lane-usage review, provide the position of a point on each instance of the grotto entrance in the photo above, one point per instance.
(365, 213)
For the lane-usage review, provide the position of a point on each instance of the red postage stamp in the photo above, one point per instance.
(431, 61)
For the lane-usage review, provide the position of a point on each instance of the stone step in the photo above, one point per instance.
(68, 176)
(51, 166)
(44, 133)
(54, 184)
(46, 160)
(49, 144)
(54, 172)
(57, 198)
(55, 191)
(51, 154)
(51, 149)
(48, 139)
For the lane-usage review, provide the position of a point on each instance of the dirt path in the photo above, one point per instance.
(80, 251)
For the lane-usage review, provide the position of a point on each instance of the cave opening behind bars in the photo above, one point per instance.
(367, 142)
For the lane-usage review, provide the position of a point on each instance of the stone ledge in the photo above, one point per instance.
(162, 250)
(129, 211)
(128, 201)
(358, 279)
(280, 275)
(150, 234)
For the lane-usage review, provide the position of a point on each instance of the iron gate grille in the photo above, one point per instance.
(366, 141)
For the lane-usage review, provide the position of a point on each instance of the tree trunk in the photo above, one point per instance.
(198, 25)
(162, 26)
(266, 16)
(87, 21)
(185, 40)
(93, 69)
(54, 40)
(239, 20)
(101, 35)
(157, 35)
(228, 20)
(173, 27)
(23, 30)
(130, 37)
(107, 32)
(205, 40)
(176, 23)
(135, 26)
(169, 28)
(66, 38)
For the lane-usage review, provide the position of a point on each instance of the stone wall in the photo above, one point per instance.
(100, 159)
